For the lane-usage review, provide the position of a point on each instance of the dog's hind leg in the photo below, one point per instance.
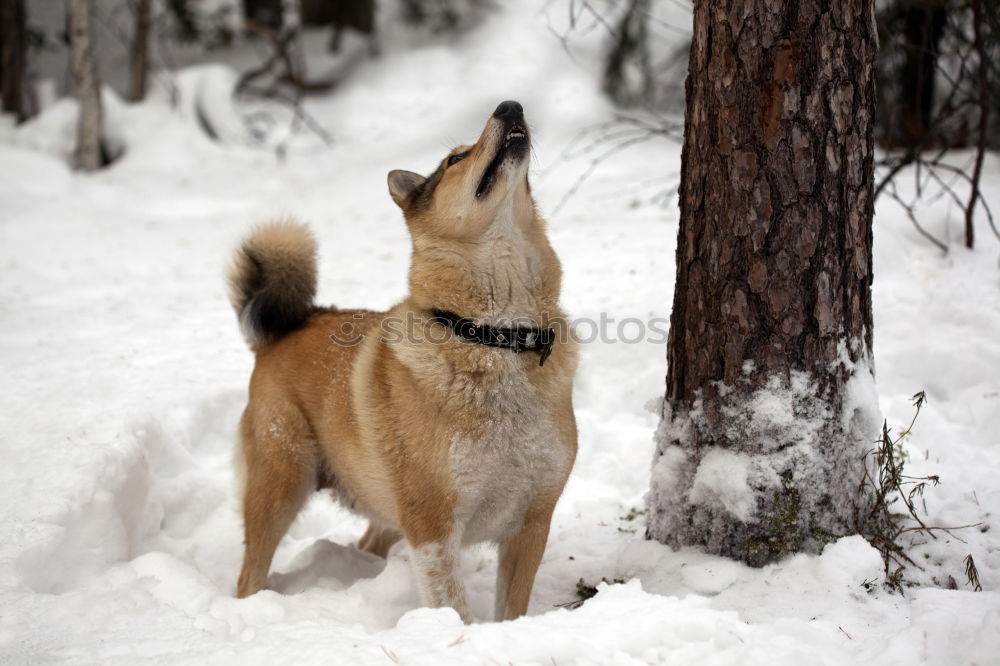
(280, 471)
(519, 558)
(378, 540)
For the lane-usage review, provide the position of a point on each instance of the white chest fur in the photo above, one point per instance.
(497, 475)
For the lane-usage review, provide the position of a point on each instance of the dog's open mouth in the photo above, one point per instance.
(515, 145)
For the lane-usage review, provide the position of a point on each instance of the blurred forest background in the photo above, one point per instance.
(939, 69)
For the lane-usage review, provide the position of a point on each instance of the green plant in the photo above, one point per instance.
(972, 573)
(585, 591)
(629, 517)
(881, 521)
(633, 513)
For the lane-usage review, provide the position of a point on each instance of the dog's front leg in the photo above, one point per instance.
(439, 577)
(519, 558)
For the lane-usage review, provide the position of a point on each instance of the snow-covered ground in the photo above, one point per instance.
(124, 375)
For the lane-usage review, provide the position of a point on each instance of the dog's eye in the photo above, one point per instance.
(455, 159)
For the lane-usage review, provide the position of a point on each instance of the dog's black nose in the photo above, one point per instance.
(509, 110)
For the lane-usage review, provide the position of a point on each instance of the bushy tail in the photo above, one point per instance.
(272, 281)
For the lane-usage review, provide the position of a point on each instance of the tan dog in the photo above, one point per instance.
(447, 420)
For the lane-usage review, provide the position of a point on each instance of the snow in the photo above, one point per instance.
(723, 477)
(787, 425)
(125, 374)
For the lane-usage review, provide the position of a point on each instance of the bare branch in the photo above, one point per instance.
(610, 138)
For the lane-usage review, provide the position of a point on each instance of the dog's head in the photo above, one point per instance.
(471, 185)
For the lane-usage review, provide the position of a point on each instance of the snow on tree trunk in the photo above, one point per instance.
(140, 51)
(88, 146)
(770, 400)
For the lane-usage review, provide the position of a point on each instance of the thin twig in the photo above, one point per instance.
(880, 525)
(623, 132)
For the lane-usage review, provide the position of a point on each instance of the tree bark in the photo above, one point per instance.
(13, 57)
(88, 135)
(765, 419)
(140, 51)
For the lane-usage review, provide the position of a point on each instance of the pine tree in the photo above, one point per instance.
(763, 429)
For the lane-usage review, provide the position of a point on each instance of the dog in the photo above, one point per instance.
(447, 420)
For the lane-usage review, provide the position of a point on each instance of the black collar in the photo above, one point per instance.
(515, 338)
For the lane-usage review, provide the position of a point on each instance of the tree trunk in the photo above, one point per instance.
(187, 26)
(88, 135)
(140, 51)
(13, 57)
(356, 14)
(983, 98)
(267, 13)
(924, 23)
(769, 405)
(628, 72)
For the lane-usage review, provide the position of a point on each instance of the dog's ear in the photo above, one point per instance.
(402, 184)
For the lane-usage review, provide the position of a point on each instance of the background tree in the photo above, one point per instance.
(185, 22)
(139, 65)
(266, 13)
(88, 139)
(918, 26)
(939, 62)
(628, 72)
(268, 19)
(761, 445)
(13, 57)
(645, 62)
(355, 14)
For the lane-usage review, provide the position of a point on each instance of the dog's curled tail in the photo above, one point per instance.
(272, 281)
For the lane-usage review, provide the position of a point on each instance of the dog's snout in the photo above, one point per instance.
(509, 110)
